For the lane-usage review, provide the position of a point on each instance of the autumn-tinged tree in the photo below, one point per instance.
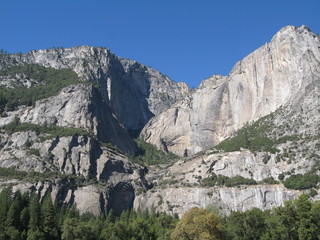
(198, 224)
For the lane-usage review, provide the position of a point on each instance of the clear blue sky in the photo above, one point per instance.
(188, 40)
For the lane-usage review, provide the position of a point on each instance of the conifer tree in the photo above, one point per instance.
(13, 216)
(35, 212)
(5, 202)
(35, 228)
(49, 218)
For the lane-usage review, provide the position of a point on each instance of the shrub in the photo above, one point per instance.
(33, 151)
(53, 131)
(209, 181)
(255, 138)
(300, 182)
(139, 191)
(281, 176)
(221, 180)
(239, 180)
(313, 192)
(148, 154)
(269, 180)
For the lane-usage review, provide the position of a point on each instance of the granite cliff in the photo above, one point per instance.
(134, 92)
(277, 74)
(243, 139)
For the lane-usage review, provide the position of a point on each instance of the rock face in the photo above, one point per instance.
(179, 187)
(277, 74)
(134, 92)
(81, 106)
(92, 198)
(180, 200)
(281, 78)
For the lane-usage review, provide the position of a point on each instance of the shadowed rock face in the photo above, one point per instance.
(134, 92)
(130, 95)
(81, 106)
(272, 76)
(281, 76)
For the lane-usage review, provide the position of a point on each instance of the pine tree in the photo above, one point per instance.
(306, 229)
(13, 216)
(5, 202)
(35, 213)
(49, 219)
(24, 219)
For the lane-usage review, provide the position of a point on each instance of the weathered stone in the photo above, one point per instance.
(134, 92)
(281, 77)
(180, 200)
(279, 73)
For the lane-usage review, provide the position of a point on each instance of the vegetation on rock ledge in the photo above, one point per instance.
(45, 82)
(149, 155)
(255, 137)
(52, 130)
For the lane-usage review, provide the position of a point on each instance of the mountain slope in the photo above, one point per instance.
(277, 74)
(250, 139)
(133, 91)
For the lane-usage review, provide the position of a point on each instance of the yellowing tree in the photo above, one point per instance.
(198, 224)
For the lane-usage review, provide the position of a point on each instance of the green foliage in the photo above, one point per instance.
(296, 220)
(220, 180)
(23, 218)
(5, 202)
(255, 138)
(49, 218)
(313, 192)
(281, 176)
(52, 130)
(50, 82)
(269, 181)
(33, 151)
(249, 224)
(139, 191)
(110, 146)
(198, 223)
(300, 181)
(239, 180)
(12, 173)
(42, 221)
(148, 154)
(35, 213)
(13, 215)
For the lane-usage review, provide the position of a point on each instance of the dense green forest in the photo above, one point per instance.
(24, 216)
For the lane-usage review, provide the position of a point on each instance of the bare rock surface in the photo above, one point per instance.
(134, 92)
(180, 200)
(279, 82)
(277, 74)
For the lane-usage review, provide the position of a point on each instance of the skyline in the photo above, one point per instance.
(187, 41)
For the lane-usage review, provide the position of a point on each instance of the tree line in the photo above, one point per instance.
(26, 217)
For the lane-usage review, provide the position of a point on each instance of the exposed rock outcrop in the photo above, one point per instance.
(282, 78)
(134, 92)
(180, 200)
(277, 74)
(92, 198)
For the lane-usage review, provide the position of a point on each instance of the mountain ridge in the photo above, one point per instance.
(243, 139)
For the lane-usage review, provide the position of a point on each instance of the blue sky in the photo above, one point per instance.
(188, 40)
